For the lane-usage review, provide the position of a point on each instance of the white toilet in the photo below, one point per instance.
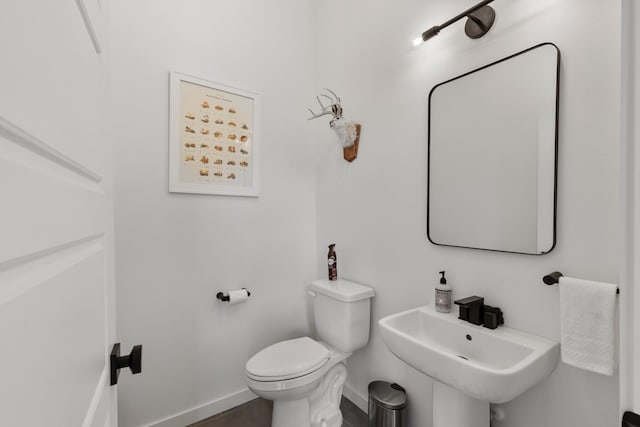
(304, 377)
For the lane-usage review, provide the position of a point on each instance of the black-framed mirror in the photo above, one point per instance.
(492, 155)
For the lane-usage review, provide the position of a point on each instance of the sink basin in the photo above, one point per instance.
(489, 365)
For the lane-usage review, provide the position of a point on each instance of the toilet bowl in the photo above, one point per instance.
(304, 377)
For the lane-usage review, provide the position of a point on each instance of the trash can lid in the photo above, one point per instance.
(390, 396)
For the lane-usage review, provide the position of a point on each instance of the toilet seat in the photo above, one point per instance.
(319, 363)
(287, 360)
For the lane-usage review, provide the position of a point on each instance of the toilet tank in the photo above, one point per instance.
(342, 313)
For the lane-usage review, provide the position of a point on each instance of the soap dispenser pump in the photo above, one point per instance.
(443, 295)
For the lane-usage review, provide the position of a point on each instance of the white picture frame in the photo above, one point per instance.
(214, 138)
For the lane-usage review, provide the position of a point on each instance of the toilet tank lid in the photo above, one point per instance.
(342, 290)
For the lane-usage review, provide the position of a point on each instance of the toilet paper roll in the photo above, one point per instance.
(238, 296)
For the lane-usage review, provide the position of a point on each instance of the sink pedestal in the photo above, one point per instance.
(453, 408)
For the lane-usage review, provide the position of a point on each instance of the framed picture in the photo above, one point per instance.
(213, 138)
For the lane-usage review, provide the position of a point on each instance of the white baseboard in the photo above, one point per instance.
(207, 410)
(359, 400)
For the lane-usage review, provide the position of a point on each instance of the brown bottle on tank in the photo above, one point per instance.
(333, 263)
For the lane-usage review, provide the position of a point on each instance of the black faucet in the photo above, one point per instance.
(473, 310)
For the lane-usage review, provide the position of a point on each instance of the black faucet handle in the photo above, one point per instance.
(493, 317)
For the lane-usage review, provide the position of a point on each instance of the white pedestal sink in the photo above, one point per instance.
(473, 366)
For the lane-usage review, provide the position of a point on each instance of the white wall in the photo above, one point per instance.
(175, 251)
(374, 209)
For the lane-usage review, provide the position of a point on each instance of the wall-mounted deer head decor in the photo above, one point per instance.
(348, 131)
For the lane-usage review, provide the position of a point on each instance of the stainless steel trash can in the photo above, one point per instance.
(387, 403)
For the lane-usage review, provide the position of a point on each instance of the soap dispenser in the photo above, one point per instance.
(443, 295)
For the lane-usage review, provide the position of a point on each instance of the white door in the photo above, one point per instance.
(56, 274)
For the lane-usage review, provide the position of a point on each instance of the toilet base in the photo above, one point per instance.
(290, 413)
(320, 408)
(325, 401)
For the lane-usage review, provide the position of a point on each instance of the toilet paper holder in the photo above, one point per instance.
(225, 297)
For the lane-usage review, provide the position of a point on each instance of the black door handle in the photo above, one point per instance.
(630, 419)
(133, 361)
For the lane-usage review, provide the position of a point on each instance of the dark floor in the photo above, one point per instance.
(352, 415)
(257, 413)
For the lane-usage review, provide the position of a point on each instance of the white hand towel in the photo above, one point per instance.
(587, 316)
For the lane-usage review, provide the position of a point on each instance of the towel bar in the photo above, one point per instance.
(553, 278)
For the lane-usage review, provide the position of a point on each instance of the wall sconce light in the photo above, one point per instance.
(480, 18)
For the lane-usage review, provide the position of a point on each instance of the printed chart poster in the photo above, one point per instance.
(213, 138)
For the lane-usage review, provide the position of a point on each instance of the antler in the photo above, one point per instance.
(335, 109)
